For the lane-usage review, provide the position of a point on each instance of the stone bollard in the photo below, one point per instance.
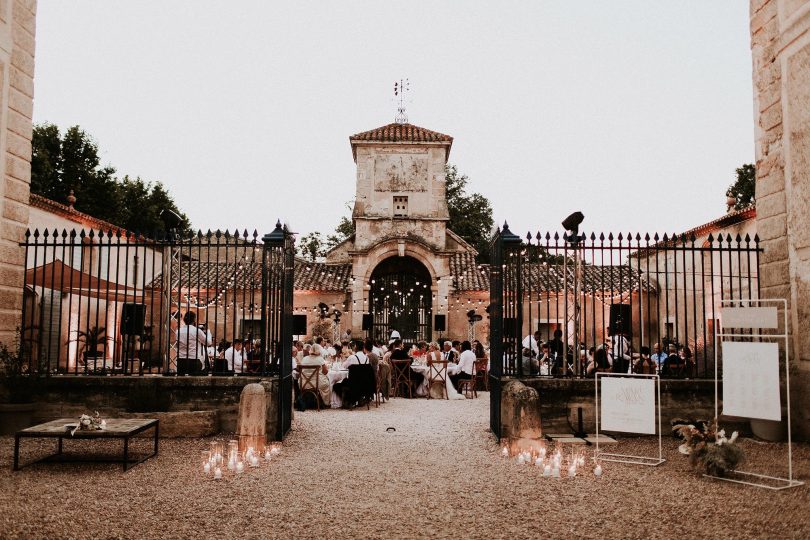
(520, 412)
(252, 421)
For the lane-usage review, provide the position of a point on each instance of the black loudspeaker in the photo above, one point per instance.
(367, 321)
(440, 323)
(509, 327)
(621, 320)
(299, 325)
(132, 319)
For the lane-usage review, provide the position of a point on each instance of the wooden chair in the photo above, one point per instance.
(482, 372)
(437, 372)
(379, 384)
(308, 382)
(402, 376)
(467, 387)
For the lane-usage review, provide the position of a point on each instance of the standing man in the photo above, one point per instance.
(347, 335)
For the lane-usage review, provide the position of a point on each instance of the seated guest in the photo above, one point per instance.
(673, 365)
(235, 357)
(433, 354)
(599, 364)
(380, 367)
(457, 347)
(544, 362)
(688, 362)
(479, 351)
(449, 354)
(357, 356)
(398, 353)
(645, 365)
(315, 358)
(531, 365)
(466, 364)
(658, 356)
(419, 352)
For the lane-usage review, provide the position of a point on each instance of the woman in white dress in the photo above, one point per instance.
(315, 358)
(434, 354)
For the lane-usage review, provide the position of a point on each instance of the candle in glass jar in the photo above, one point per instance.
(217, 474)
(240, 468)
(267, 455)
(505, 452)
(207, 468)
(572, 470)
(547, 470)
(254, 461)
(597, 471)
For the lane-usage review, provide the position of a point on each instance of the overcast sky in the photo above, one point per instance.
(635, 113)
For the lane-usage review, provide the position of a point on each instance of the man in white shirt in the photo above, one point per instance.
(532, 342)
(466, 364)
(358, 356)
(192, 343)
(235, 356)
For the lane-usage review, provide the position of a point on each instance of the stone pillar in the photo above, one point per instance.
(780, 48)
(17, 31)
(520, 412)
(252, 422)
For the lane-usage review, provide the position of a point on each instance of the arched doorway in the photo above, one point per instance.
(400, 299)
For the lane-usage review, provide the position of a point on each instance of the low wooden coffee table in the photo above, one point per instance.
(117, 428)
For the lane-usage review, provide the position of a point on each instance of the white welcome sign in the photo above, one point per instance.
(751, 380)
(628, 405)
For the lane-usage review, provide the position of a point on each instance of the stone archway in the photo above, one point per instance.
(400, 299)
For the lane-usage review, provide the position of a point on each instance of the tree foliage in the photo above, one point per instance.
(470, 214)
(744, 189)
(61, 163)
(311, 246)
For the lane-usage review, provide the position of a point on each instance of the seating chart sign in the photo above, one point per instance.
(750, 317)
(628, 405)
(751, 380)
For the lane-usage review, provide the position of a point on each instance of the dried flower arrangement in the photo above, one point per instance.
(89, 423)
(710, 450)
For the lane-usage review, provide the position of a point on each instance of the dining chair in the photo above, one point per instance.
(437, 372)
(402, 376)
(308, 382)
(482, 372)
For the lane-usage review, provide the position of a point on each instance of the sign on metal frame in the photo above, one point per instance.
(630, 403)
(751, 387)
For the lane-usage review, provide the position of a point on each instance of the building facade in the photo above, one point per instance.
(17, 34)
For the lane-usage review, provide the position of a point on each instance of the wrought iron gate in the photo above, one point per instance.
(401, 300)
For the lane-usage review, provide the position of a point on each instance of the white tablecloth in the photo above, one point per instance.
(436, 392)
(336, 376)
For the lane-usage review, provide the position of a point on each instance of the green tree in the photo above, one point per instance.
(311, 246)
(744, 189)
(470, 214)
(70, 162)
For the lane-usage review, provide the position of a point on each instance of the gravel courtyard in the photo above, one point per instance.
(341, 475)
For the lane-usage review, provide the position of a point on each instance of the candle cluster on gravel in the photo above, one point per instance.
(440, 474)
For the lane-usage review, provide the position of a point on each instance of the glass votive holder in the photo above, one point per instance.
(205, 461)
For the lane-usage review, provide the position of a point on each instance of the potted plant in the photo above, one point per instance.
(17, 390)
(92, 338)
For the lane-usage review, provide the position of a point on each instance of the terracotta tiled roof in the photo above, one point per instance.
(315, 276)
(469, 276)
(401, 133)
(217, 276)
(65, 211)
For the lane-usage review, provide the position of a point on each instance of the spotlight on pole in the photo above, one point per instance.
(571, 225)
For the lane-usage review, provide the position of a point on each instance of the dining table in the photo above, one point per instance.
(436, 390)
(335, 375)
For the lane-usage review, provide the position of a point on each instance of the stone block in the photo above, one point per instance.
(11, 276)
(772, 227)
(183, 423)
(251, 425)
(23, 39)
(23, 60)
(18, 168)
(19, 124)
(23, 15)
(770, 117)
(771, 205)
(19, 146)
(21, 81)
(773, 183)
(774, 250)
(15, 211)
(20, 102)
(775, 273)
(520, 411)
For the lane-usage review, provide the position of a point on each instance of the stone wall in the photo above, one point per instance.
(17, 32)
(69, 397)
(780, 48)
(559, 399)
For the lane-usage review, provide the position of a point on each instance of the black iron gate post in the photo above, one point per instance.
(277, 317)
(502, 246)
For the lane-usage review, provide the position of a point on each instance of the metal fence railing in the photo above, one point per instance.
(571, 305)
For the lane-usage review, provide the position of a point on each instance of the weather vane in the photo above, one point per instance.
(399, 92)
